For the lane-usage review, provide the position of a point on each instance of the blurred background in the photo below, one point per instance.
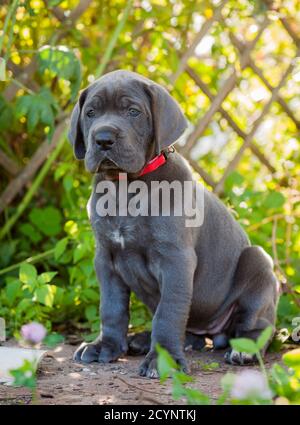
(233, 66)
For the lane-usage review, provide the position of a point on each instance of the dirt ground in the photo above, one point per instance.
(62, 381)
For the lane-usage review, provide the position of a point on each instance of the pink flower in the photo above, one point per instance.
(33, 332)
(250, 384)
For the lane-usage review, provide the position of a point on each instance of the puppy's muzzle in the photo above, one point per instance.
(105, 138)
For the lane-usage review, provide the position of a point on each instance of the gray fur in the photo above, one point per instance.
(189, 277)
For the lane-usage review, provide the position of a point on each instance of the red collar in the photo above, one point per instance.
(156, 162)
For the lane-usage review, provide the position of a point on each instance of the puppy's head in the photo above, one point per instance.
(121, 121)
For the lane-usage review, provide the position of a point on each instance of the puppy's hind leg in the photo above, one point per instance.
(139, 343)
(257, 289)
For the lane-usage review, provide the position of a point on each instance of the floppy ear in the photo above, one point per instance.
(75, 133)
(169, 122)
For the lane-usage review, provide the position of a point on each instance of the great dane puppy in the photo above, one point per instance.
(197, 281)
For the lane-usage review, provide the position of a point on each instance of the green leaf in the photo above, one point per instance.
(46, 277)
(281, 381)
(165, 362)
(182, 377)
(292, 358)
(264, 337)
(12, 290)
(68, 182)
(274, 200)
(38, 108)
(234, 179)
(196, 397)
(60, 248)
(53, 339)
(27, 274)
(32, 118)
(90, 294)
(25, 375)
(244, 345)
(79, 252)
(91, 313)
(45, 295)
(28, 230)
(47, 220)
(24, 305)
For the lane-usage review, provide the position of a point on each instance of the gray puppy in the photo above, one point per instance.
(196, 281)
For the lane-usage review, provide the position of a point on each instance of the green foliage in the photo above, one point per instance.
(286, 381)
(209, 367)
(29, 297)
(62, 63)
(167, 367)
(252, 347)
(25, 376)
(47, 220)
(245, 345)
(283, 382)
(53, 339)
(39, 108)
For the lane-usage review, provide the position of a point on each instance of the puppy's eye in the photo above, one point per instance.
(133, 112)
(90, 113)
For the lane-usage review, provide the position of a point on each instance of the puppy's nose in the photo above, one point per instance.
(105, 139)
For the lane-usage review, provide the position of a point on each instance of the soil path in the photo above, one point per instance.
(62, 381)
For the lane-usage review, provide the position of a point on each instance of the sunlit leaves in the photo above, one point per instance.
(38, 285)
(264, 338)
(292, 358)
(63, 63)
(39, 108)
(45, 294)
(27, 274)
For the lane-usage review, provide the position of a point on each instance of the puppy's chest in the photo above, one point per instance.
(118, 232)
(130, 246)
(114, 230)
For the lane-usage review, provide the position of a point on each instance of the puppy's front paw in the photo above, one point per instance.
(239, 358)
(87, 352)
(149, 368)
(97, 352)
